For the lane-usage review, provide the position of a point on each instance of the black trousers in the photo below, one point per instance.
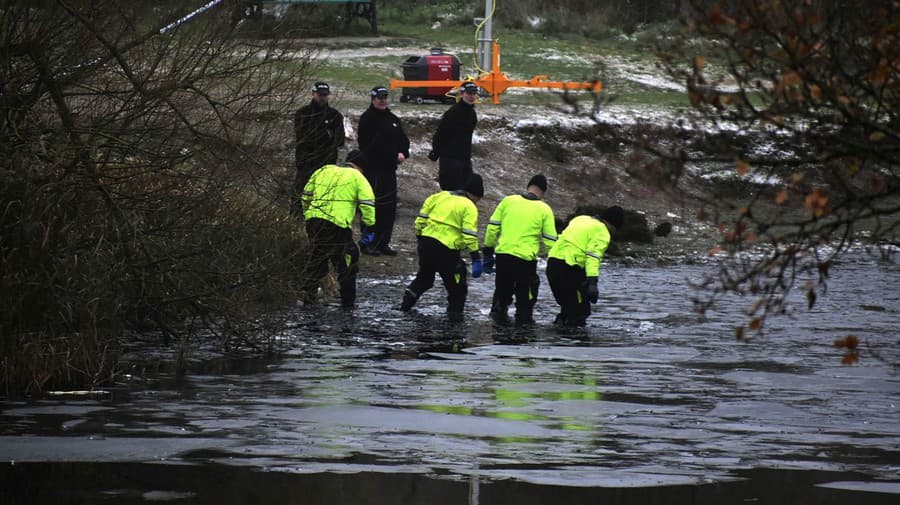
(331, 243)
(514, 276)
(436, 258)
(569, 286)
(384, 185)
(453, 173)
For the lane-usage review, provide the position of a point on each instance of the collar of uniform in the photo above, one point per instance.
(458, 192)
(530, 196)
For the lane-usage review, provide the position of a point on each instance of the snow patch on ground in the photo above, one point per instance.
(654, 81)
(556, 55)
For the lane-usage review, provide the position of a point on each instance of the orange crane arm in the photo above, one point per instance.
(496, 82)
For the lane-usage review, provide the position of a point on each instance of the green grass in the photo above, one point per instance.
(663, 99)
(524, 54)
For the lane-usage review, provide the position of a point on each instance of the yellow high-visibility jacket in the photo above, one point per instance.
(451, 218)
(333, 193)
(582, 244)
(518, 225)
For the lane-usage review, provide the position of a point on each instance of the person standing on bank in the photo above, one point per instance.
(451, 145)
(384, 145)
(573, 264)
(447, 224)
(318, 133)
(330, 200)
(515, 231)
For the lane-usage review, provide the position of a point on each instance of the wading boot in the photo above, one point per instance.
(500, 314)
(525, 313)
(409, 299)
(524, 319)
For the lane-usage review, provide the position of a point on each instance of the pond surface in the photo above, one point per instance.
(649, 404)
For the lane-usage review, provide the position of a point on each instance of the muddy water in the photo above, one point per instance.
(649, 404)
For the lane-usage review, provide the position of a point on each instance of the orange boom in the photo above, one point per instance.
(496, 82)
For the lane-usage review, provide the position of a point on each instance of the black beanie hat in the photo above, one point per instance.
(475, 185)
(613, 215)
(538, 180)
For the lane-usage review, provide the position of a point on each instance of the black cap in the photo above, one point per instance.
(538, 180)
(322, 88)
(475, 185)
(379, 91)
(469, 87)
(355, 157)
(613, 215)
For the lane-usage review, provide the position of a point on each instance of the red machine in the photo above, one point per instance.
(437, 66)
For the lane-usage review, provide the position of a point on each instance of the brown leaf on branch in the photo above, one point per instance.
(818, 202)
(781, 197)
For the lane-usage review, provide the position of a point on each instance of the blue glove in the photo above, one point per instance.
(368, 238)
(488, 260)
(477, 267)
(593, 293)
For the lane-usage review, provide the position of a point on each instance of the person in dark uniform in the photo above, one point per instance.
(446, 226)
(451, 145)
(573, 264)
(516, 229)
(318, 133)
(383, 145)
(331, 198)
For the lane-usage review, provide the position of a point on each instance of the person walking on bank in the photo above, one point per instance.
(515, 231)
(384, 145)
(330, 200)
(446, 225)
(451, 145)
(318, 133)
(573, 264)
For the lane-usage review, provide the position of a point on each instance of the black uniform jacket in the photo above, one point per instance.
(319, 132)
(381, 137)
(453, 138)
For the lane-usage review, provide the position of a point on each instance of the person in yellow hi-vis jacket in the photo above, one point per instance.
(330, 200)
(573, 264)
(446, 225)
(515, 231)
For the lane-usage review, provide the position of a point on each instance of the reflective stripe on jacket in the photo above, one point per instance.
(451, 218)
(518, 225)
(334, 192)
(582, 244)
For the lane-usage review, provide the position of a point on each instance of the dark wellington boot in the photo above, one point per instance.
(409, 299)
(524, 318)
(500, 314)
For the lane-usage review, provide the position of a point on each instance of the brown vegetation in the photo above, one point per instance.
(136, 185)
(819, 82)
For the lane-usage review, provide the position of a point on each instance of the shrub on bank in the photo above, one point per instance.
(141, 187)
